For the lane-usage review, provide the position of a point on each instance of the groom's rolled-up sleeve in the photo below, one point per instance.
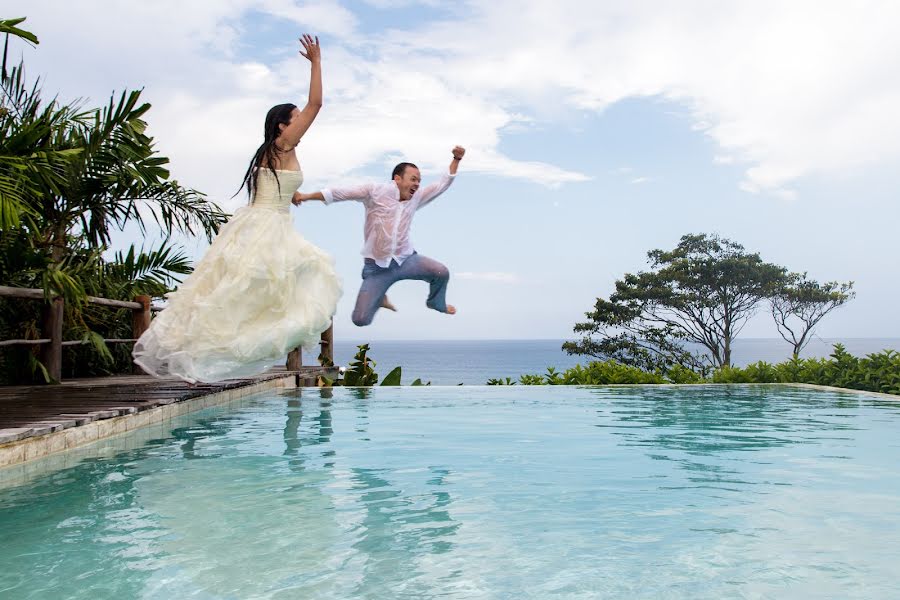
(360, 193)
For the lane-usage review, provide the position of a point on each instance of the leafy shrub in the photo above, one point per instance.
(878, 372)
(595, 373)
(682, 374)
(760, 372)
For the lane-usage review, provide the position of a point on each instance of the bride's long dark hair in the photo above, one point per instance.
(264, 158)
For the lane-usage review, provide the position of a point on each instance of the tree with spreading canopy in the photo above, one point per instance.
(801, 303)
(686, 310)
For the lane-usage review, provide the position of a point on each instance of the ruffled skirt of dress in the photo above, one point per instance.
(260, 291)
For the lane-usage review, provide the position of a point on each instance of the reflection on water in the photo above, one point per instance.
(427, 492)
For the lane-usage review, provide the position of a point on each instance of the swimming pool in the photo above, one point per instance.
(473, 492)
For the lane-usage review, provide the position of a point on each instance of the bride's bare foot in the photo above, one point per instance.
(385, 303)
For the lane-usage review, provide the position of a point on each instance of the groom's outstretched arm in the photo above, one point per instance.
(360, 193)
(433, 190)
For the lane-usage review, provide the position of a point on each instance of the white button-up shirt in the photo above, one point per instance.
(388, 219)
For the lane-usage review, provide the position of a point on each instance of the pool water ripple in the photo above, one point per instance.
(617, 492)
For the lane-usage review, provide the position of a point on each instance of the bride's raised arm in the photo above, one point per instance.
(312, 52)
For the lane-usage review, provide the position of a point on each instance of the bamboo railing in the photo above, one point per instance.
(51, 341)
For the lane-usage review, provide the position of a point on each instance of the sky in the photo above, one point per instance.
(595, 131)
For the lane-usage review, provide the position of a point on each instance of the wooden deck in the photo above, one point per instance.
(31, 411)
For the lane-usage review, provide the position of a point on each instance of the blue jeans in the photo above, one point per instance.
(377, 280)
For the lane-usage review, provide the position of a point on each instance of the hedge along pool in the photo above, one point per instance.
(472, 492)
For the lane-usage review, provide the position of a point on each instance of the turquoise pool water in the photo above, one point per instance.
(492, 492)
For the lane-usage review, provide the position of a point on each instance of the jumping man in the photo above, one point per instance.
(387, 250)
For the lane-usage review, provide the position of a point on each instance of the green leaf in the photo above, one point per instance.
(8, 26)
(392, 378)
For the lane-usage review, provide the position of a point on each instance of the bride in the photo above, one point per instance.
(261, 289)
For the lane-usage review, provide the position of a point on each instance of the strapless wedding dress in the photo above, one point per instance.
(260, 291)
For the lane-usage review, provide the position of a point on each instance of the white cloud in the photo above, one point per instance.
(208, 106)
(789, 90)
(638, 180)
(317, 17)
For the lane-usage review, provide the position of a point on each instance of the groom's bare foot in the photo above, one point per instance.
(451, 310)
(385, 303)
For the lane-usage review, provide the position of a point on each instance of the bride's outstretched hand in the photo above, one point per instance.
(311, 45)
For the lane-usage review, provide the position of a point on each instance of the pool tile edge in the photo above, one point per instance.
(32, 448)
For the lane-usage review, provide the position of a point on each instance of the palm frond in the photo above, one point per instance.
(8, 26)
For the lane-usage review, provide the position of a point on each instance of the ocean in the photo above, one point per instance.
(473, 362)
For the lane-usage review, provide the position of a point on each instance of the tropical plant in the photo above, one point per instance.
(360, 371)
(68, 177)
(126, 274)
(70, 173)
(8, 27)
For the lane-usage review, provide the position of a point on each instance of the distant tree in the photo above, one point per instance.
(700, 294)
(799, 306)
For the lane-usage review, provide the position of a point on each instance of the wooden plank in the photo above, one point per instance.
(24, 342)
(38, 294)
(108, 341)
(115, 303)
(27, 411)
(14, 292)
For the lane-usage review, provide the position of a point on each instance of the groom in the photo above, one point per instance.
(389, 254)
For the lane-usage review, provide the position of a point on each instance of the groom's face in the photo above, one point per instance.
(408, 183)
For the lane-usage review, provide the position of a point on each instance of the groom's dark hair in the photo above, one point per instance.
(401, 169)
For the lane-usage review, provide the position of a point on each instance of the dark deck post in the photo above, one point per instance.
(51, 327)
(327, 344)
(294, 359)
(140, 322)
